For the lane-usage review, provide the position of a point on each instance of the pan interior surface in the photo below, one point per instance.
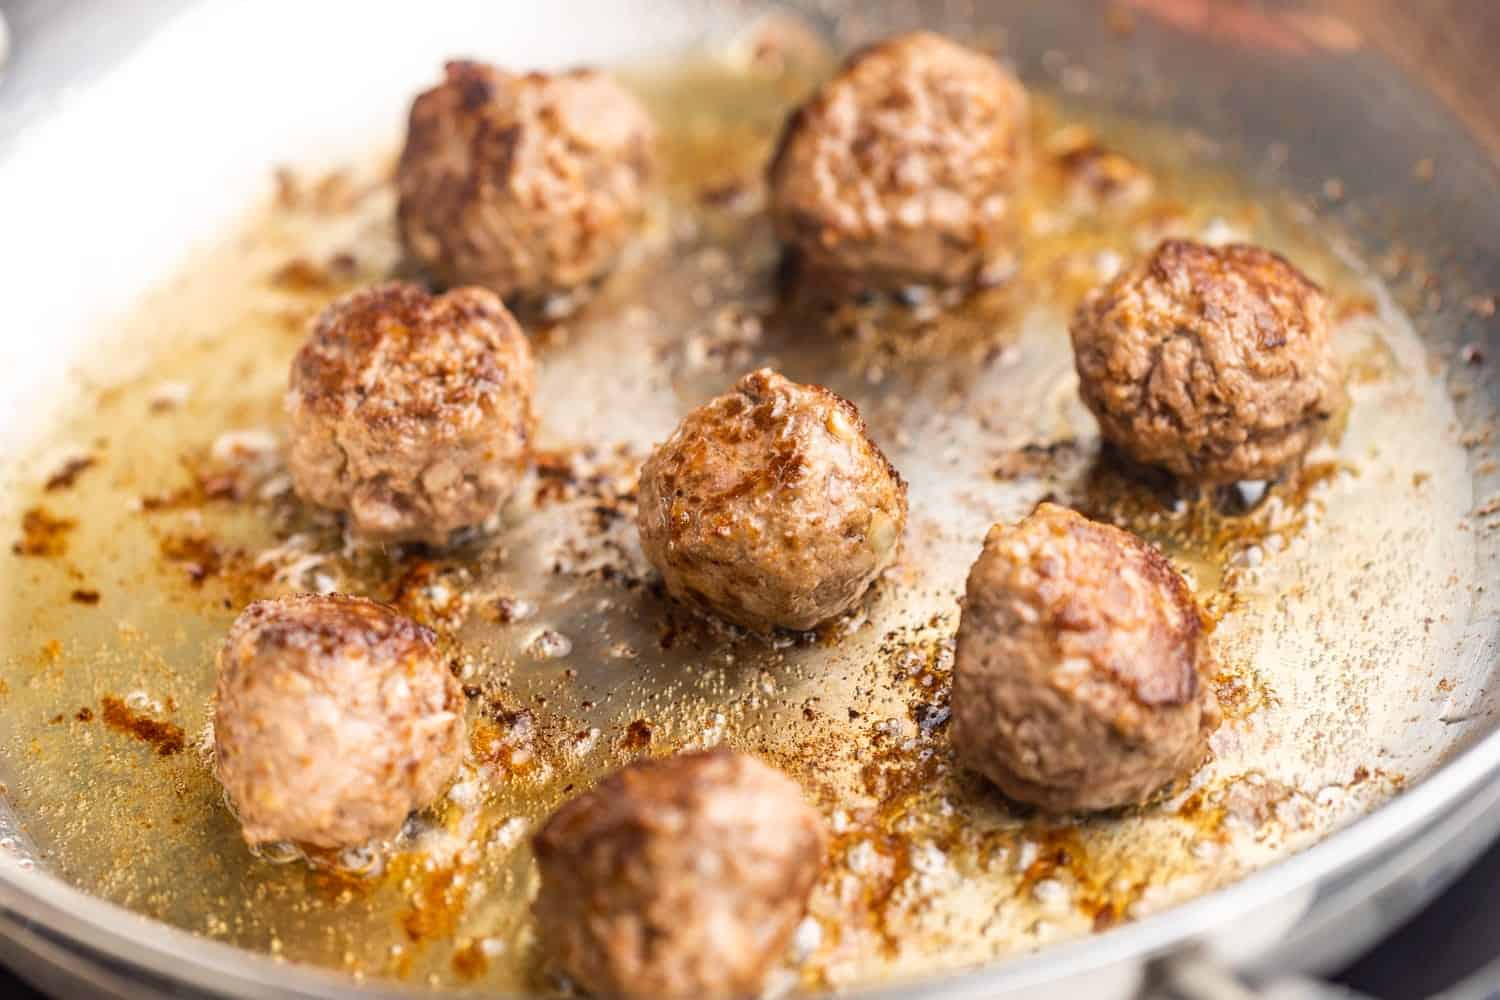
(150, 503)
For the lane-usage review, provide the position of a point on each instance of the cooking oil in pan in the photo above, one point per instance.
(160, 506)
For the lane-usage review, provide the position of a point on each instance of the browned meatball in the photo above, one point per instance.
(904, 168)
(526, 184)
(1081, 677)
(678, 878)
(771, 506)
(1213, 363)
(336, 718)
(411, 412)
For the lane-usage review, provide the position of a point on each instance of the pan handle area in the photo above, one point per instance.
(1197, 976)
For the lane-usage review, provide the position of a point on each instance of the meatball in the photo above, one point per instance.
(336, 718)
(771, 506)
(904, 168)
(681, 877)
(1081, 675)
(411, 412)
(1213, 363)
(528, 185)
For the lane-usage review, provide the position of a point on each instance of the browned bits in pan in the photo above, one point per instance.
(43, 534)
(166, 738)
(68, 473)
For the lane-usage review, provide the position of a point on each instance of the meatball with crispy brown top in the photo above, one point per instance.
(1081, 679)
(526, 184)
(411, 412)
(905, 167)
(771, 506)
(335, 719)
(1213, 363)
(678, 878)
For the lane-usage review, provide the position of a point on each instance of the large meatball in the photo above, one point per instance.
(904, 168)
(411, 412)
(336, 718)
(678, 878)
(1082, 672)
(1213, 363)
(528, 184)
(771, 506)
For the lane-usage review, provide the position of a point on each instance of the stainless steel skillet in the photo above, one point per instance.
(1304, 108)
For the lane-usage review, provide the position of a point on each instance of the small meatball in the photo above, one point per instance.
(771, 506)
(411, 412)
(336, 718)
(678, 878)
(1081, 675)
(528, 185)
(904, 168)
(1213, 363)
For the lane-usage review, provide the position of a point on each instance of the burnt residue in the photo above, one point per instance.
(43, 534)
(1102, 888)
(637, 736)
(84, 596)
(437, 904)
(433, 592)
(200, 557)
(301, 275)
(67, 474)
(470, 962)
(166, 738)
(196, 555)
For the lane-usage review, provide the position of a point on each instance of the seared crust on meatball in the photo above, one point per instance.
(904, 168)
(411, 412)
(527, 184)
(678, 878)
(1082, 670)
(335, 719)
(771, 506)
(1213, 363)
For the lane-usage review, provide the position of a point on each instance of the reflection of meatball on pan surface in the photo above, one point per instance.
(678, 878)
(526, 184)
(771, 506)
(1082, 672)
(904, 168)
(335, 719)
(1211, 362)
(411, 412)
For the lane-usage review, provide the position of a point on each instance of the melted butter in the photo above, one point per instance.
(574, 663)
